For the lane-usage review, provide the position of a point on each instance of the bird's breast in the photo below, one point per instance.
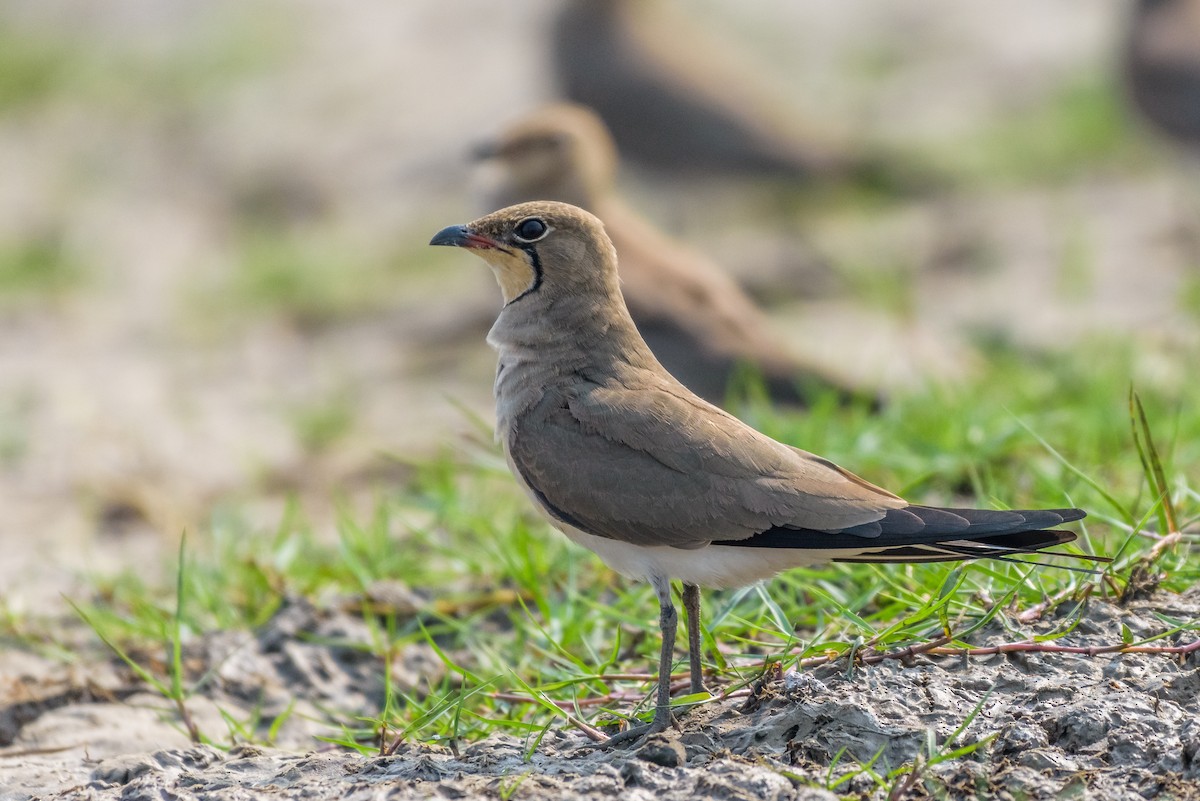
(522, 379)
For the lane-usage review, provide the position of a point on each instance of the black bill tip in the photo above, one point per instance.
(460, 236)
(452, 236)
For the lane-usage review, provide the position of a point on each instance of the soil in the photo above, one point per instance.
(1048, 725)
(121, 426)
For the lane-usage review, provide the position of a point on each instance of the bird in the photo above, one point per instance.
(626, 461)
(1162, 66)
(696, 318)
(678, 102)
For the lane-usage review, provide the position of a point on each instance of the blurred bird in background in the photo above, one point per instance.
(1162, 67)
(1162, 77)
(698, 321)
(676, 102)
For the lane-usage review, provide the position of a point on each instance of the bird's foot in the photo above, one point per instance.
(635, 733)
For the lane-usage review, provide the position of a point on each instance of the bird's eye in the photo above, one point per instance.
(531, 229)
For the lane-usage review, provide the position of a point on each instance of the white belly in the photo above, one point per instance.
(715, 566)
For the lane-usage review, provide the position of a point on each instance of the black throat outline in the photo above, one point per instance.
(536, 262)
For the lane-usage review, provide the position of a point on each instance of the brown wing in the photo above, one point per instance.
(657, 467)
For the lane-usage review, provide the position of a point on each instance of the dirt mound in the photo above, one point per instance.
(1024, 724)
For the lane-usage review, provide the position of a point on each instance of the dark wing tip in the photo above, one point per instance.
(1069, 515)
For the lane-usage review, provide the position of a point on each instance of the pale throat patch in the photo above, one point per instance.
(513, 272)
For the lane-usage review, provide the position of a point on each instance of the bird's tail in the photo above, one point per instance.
(1004, 547)
(931, 534)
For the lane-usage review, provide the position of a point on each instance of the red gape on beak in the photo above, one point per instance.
(460, 236)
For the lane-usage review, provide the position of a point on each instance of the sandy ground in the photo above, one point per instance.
(1103, 726)
(129, 409)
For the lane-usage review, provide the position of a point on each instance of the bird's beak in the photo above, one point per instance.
(460, 236)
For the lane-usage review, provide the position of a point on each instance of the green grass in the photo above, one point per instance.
(321, 423)
(40, 64)
(37, 267)
(1082, 126)
(516, 612)
(310, 276)
(886, 285)
(32, 67)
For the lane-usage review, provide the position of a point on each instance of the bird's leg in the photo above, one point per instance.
(668, 621)
(691, 605)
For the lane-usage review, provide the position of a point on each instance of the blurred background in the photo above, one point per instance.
(215, 288)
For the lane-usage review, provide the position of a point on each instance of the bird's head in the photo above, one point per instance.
(560, 152)
(543, 249)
